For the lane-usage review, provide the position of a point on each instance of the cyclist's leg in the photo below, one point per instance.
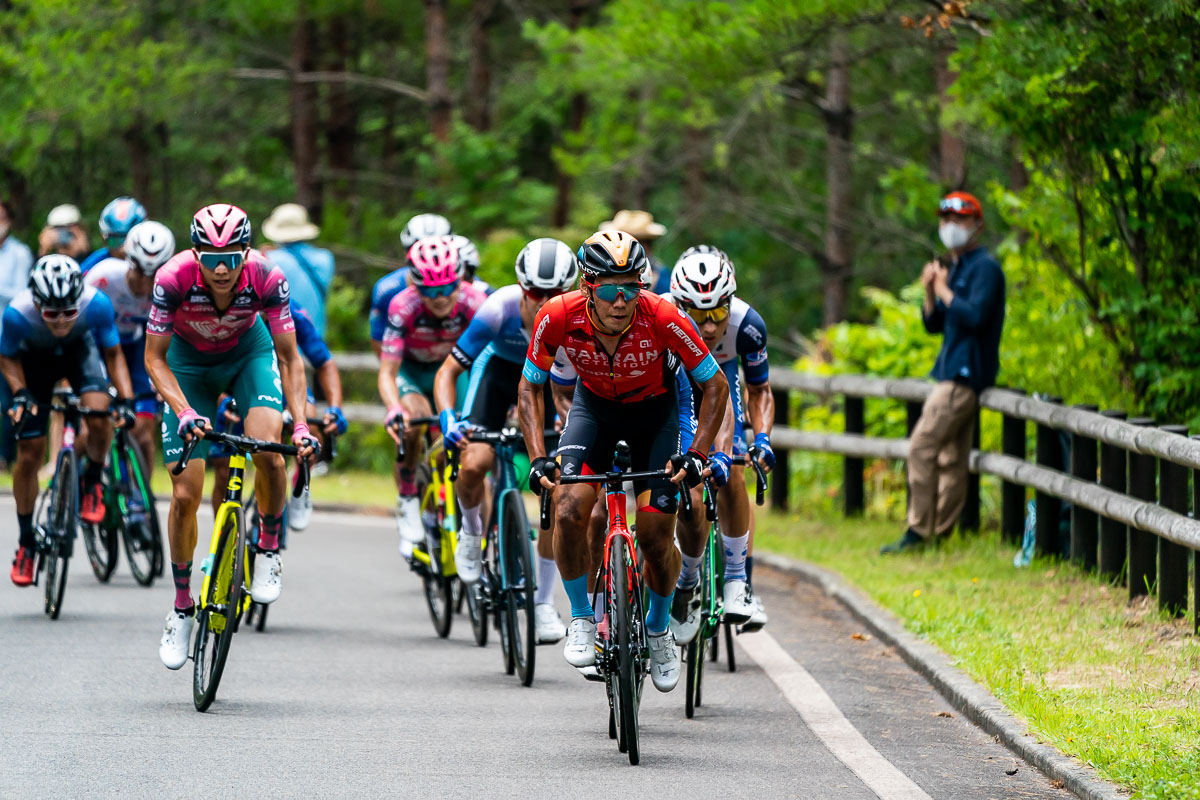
(583, 448)
(414, 389)
(655, 438)
(690, 529)
(258, 392)
(89, 381)
(734, 508)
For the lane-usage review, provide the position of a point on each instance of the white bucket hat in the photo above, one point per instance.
(638, 224)
(289, 223)
(62, 216)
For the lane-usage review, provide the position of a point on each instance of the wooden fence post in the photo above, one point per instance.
(1140, 546)
(1047, 540)
(1012, 495)
(1173, 558)
(912, 413)
(779, 475)
(1083, 521)
(1196, 554)
(1111, 558)
(968, 521)
(853, 494)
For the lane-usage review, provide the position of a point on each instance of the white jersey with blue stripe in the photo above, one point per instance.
(23, 328)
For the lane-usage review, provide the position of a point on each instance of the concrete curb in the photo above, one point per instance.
(971, 699)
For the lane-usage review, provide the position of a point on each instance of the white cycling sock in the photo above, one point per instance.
(690, 572)
(735, 556)
(547, 577)
(472, 520)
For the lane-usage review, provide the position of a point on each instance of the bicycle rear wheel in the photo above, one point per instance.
(143, 542)
(60, 531)
(101, 540)
(439, 597)
(729, 647)
(216, 620)
(477, 611)
(624, 640)
(520, 585)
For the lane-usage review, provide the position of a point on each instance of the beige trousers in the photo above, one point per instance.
(937, 458)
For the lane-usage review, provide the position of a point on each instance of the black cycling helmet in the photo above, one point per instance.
(612, 253)
(56, 282)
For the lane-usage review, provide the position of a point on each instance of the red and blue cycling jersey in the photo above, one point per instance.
(641, 366)
(184, 306)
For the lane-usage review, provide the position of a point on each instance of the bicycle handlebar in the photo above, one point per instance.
(245, 444)
(685, 494)
(408, 423)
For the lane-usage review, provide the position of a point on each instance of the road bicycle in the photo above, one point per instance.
(57, 510)
(622, 653)
(509, 581)
(712, 608)
(225, 593)
(130, 516)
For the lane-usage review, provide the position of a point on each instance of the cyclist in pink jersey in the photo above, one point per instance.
(202, 339)
(424, 322)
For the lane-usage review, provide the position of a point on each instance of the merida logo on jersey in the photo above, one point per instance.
(678, 331)
(537, 334)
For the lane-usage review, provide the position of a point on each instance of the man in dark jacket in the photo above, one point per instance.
(965, 303)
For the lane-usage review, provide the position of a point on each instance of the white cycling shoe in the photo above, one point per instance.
(408, 520)
(664, 660)
(580, 649)
(299, 510)
(758, 619)
(739, 603)
(176, 639)
(267, 582)
(685, 614)
(548, 624)
(468, 558)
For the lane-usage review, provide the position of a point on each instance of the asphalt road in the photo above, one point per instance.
(349, 693)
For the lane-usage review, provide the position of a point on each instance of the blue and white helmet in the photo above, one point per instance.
(422, 226)
(149, 245)
(56, 282)
(119, 216)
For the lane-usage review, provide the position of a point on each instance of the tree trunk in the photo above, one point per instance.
(952, 151)
(479, 89)
(695, 150)
(16, 194)
(839, 122)
(163, 133)
(576, 111)
(341, 129)
(137, 144)
(305, 123)
(437, 69)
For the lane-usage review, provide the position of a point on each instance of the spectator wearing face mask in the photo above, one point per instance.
(964, 301)
(15, 263)
(63, 234)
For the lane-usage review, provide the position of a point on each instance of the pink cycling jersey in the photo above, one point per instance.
(184, 305)
(414, 334)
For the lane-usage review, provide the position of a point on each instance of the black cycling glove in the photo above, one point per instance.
(692, 463)
(122, 409)
(542, 467)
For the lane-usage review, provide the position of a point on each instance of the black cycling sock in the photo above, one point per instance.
(25, 523)
(749, 570)
(93, 473)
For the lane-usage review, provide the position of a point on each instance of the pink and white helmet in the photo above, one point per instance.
(220, 225)
(433, 261)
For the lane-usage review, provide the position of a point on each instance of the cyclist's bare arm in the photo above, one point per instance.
(713, 400)
(531, 412)
(14, 373)
(563, 395)
(761, 408)
(445, 391)
(330, 381)
(118, 371)
(161, 375)
(291, 371)
(388, 393)
(377, 347)
(724, 440)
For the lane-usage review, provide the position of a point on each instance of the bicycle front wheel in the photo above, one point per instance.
(60, 530)
(520, 580)
(477, 611)
(624, 640)
(217, 618)
(101, 540)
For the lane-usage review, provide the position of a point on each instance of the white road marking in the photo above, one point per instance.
(826, 720)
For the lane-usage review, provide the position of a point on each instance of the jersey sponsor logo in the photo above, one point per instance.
(589, 358)
(687, 339)
(755, 334)
(756, 358)
(537, 334)
(269, 398)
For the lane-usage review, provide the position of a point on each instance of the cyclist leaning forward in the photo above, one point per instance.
(423, 323)
(201, 340)
(58, 328)
(493, 348)
(625, 345)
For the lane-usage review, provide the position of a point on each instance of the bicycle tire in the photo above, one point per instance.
(226, 587)
(62, 518)
(502, 627)
(520, 589)
(101, 542)
(477, 612)
(622, 623)
(439, 599)
(143, 543)
(693, 655)
(732, 661)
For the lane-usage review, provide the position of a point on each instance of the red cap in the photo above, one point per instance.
(960, 203)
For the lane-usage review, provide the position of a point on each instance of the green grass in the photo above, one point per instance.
(1112, 683)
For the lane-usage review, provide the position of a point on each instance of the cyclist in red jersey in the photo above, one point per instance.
(626, 345)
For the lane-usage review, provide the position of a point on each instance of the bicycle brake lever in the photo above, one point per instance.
(188, 447)
(454, 465)
(710, 501)
(302, 465)
(685, 498)
(545, 509)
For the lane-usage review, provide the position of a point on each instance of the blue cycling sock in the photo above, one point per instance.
(577, 593)
(659, 613)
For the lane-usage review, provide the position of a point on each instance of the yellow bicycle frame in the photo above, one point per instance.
(224, 571)
(439, 482)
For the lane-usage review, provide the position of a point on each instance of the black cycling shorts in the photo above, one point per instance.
(493, 391)
(79, 362)
(650, 427)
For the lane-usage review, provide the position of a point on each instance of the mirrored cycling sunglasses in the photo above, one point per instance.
(957, 205)
(60, 314)
(609, 292)
(538, 295)
(232, 260)
(434, 292)
(702, 315)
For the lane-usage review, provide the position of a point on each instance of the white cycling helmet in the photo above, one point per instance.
(468, 256)
(149, 245)
(56, 282)
(704, 249)
(423, 226)
(547, 265)
(703, 280)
